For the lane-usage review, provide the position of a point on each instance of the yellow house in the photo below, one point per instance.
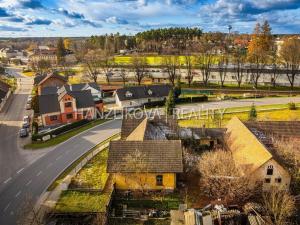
(145, 165)
(253, 151)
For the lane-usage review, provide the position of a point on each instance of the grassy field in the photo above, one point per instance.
(28, 74)
(82, 202)
(154, 60)
(279, 114)
(93, 175)
(62, 176)
(63, 137)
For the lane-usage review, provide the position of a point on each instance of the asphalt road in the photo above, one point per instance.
(32, 181)
(11, 159)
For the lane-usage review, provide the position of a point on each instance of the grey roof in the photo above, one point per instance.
(49, 90)
(139, 92)
(156, 156)
(84, 99)
(48, 104)
(39, 78)
(82, 86)
(4, 86)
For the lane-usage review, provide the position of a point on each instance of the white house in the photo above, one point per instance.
(138, 95)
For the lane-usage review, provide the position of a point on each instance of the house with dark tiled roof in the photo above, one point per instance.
(147, 157)
(138, 95)
(254, 152)
(49, 80)
(69, 103)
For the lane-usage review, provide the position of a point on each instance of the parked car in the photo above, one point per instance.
(28, 106)
(25, 125)
(26, 119)
(23, 133)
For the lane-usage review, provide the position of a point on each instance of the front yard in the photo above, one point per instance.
(82, 202)
(93, 175)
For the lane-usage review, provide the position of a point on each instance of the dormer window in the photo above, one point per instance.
(128, 94)
(150, 92)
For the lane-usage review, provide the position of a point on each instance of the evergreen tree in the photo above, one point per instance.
(177, 90)
(170, 103)
(60, 51)
(253, 113)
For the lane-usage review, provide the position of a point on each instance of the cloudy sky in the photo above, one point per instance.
(92, 17)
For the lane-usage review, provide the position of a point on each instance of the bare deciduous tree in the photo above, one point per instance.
(136, 164)
(223, 66)
(224, 179)
(171, 65)
(139, 64)
(290, 55)
(279, 205)
(123, 75)
(205, 61)
(189, 68)
(92, 64)
(239, 62)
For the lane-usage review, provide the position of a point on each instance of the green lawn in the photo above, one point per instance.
(93, 175)
(62, 176)
(82, 202)
(63, 137)
(269, 115)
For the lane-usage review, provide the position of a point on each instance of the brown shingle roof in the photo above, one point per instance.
(159, 156)
(128, 125)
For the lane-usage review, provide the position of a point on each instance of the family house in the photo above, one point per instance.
(49, 80)
(147, 165)
(69, 103)
(138, 95)
(146, 157)
(254, 152)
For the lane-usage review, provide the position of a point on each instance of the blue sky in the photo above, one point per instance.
(92, 17)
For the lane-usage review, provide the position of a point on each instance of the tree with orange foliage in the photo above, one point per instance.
(259, 50)
(290, 57)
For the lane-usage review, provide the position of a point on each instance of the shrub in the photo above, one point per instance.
(60, 130)
(252, 113)
(292, 106)
(203, 98)
(154, 104)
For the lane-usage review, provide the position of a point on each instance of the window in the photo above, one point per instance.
(84, 113)
(53, 118)
(278, 180)
(69, 116)
(68, 104)
(267, 180)
(270, 170)
(159, 180)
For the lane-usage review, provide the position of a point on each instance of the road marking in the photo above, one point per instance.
(20, 170)
(18, 194)
(39, 173)
(5, 182)
(29, 182)
(6, 207)
(49, 165)
(58, 158)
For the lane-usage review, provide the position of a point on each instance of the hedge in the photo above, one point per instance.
(203, 98)
(60, 130)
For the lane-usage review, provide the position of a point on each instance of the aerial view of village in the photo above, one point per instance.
(149, 112)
